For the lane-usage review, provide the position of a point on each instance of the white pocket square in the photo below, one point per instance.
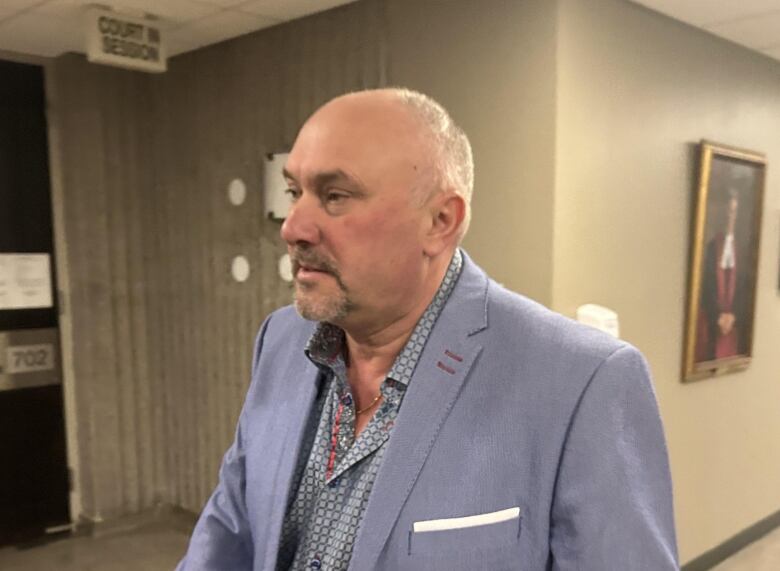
(468, 521)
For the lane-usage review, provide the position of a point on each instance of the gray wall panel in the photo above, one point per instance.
(104, 168)
(162, 334)
(221, 109)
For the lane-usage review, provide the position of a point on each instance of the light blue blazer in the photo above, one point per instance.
(515, 415)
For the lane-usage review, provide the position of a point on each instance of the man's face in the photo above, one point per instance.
(354, 232)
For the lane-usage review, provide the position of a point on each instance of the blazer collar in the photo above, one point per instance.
(468, 304)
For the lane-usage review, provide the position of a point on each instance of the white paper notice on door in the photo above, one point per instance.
(25, 281)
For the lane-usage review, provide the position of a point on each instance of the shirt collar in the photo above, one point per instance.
(325, 346)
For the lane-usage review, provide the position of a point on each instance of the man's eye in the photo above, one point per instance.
(333, 197)
(293, 193)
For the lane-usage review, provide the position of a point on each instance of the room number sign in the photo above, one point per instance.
(29, 358)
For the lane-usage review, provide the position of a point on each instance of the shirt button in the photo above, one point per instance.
(315, 563)
(346, 399)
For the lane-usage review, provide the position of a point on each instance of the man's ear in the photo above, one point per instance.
(447, 210)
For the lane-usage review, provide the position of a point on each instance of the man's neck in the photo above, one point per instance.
(372, 352)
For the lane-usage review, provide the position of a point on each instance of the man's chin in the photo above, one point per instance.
(319, 309)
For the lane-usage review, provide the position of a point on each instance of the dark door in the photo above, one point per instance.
(33, 467)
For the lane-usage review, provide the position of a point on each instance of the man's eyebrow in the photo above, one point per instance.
(325, 178)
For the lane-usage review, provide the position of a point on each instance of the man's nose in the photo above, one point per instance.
(301, 225)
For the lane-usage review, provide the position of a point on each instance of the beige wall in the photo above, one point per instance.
(636, 91)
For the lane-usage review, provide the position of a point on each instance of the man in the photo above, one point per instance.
(722, 329)
(412, 414)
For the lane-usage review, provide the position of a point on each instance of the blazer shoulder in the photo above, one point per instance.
(520, 320)
(285, 324)
(557, 355)
(281, 330)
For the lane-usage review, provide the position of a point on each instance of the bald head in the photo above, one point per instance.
(405, 122)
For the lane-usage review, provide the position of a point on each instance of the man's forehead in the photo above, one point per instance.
(353, 131)
(364, 102)
(366, 116)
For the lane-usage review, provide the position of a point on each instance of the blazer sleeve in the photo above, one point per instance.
(222, 538)
(612, 507)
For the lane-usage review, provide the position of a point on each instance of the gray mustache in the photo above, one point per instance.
(313, 260)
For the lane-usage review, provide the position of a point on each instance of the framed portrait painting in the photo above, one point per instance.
(724, 261)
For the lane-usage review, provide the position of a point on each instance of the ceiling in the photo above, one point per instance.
(51, 27)
(754, 24)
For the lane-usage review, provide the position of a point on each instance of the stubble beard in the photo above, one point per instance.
(332, 307)
(315, 305)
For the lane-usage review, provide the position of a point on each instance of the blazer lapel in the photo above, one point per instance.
(285, 444)
(443, 367)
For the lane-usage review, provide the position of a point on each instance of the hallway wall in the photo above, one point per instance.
(219, 111)
(160, 333)
(636, 93)
(103, 192)
(492, 65)
(176, 348)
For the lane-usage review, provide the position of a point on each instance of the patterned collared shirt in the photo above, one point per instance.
(336, 471)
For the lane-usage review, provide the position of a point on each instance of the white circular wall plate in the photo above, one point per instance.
(285, 268)
(237, 192)
(240, 268)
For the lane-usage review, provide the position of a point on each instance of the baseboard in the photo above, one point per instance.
(165, 515)
(729, 547)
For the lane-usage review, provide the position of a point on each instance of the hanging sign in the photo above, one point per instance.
(123, 41)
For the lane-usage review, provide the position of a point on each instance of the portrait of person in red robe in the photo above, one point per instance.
(723, 275)
(724, 304)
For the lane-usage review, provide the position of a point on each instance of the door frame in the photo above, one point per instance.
(62, 278)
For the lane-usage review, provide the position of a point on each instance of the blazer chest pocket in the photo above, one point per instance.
(461, 543)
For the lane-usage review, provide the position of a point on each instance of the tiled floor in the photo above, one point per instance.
(158, 548)
(153, 548)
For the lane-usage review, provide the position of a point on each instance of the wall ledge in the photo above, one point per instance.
(721, 552)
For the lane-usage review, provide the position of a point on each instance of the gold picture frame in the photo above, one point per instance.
(723, 267)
